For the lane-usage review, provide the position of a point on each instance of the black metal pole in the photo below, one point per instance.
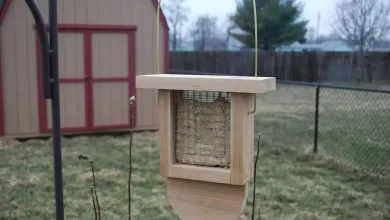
(316, 119)
(44, 42)
(55, 106)
(50, 82)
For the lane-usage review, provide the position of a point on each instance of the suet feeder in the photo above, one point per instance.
(206, 129)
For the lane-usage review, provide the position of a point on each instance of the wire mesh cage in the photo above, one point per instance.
(206, 125)
(202, 128)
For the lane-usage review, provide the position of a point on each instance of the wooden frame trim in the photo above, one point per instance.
(164, 22)
(3, 12)
(165, 130)
(234, 84)
(87, 31)
(208, 174)
(88, 73)
(241, 137)
(168, 167)
(2, 122)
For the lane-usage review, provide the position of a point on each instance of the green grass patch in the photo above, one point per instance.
(289, 186)
(292, 183)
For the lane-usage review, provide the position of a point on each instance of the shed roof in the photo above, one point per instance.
(4, 5)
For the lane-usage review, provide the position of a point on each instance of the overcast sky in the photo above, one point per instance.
(221, 8)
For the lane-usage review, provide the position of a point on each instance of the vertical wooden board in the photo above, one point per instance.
(165, 130)
(250, 135)
(32, 68)
(119, 55)
(81, 12)
(153, 111)
(101, 104)
(99, 52)
(20, 107)
(92, 11)
(104, 12)
(110, 104)
(8, 64)
(71, 55)
(240, 149)
(126, 11)
(72, 106)
(146, 59)
(110, 55)
(21, 70)
(147, 115)
(69, 11)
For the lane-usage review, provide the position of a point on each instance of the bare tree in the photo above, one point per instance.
(362, 22)
(177, 16)
(206, 33)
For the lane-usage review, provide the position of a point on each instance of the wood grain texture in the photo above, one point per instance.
(241, 136)
(197, 200)
(165, 130)
(239, 84)
(207, 174)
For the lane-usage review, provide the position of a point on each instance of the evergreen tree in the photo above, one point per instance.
(277, 23)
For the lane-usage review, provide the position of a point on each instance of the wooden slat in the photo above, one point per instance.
(206, 83)
(208, 174)
(165, 131)
(195, 200)
(241, 130)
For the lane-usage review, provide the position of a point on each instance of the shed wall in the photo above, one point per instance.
(19, 61)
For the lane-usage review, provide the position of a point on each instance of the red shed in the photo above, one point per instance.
(103, 45)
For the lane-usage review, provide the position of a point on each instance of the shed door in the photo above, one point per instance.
(97, 78)
(113, 67)
(72, 83)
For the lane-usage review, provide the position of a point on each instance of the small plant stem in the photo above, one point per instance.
(130, 161)
(254, 179)
(93, 202)
(94, 189)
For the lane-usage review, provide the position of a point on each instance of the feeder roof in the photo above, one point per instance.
(238, 84)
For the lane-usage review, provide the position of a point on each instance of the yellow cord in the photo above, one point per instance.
(158, 38)
(256, 43)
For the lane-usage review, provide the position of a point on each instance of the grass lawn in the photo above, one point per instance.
(354, 126)
(291, 184)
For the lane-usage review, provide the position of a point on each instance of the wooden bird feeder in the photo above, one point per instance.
(206, 129)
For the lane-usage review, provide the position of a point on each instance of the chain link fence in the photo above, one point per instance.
(352, 125)
(354, 129)
(346, 125)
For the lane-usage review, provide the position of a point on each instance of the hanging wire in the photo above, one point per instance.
(256, 43)
(158, 38)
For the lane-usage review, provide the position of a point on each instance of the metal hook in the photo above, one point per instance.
(254, 105)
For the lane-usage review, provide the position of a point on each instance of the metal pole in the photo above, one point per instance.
(55, 106)
(316, 119)
(50, 82)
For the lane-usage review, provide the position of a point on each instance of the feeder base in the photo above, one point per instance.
(197, 200)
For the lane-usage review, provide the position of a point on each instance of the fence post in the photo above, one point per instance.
(316, 118)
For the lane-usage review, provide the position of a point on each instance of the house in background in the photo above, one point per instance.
(331, 45)
(103, 45)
